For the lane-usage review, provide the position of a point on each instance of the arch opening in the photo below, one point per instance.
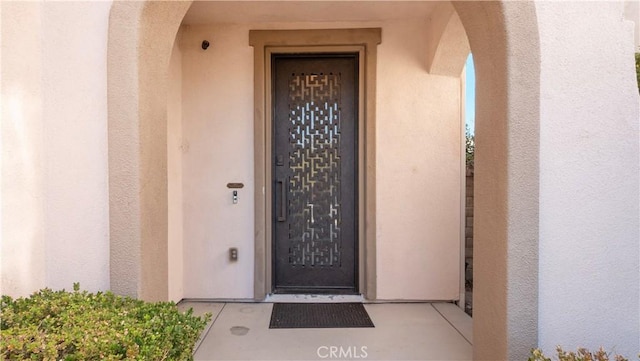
(507, 68)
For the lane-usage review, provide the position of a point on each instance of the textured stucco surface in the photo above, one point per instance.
(23, 243)
(75, 140)
(123, 94)
(217, 149)
(505, 46)
(632, 14)
(175, 249)
(159, 25)
(589, 220)
(140, 33)
(55, 200)
(418, 215)
(417, 171)
(446, 41)
(588, 167)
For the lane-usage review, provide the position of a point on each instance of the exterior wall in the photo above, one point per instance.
(54, 175)
(141, 39)
(507, 62)
(174, 176)
(23, 243)
(418, 171)
(589, 197)
(125, 260)
(632, 13)
(217, 149)
(418, 196)
(54, 215)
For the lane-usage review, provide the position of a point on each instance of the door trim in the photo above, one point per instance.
(266, 43)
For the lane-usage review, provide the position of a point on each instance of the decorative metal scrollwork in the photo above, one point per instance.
(314, 160)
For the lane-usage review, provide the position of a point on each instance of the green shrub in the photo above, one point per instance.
(59, 325)
(470, 146)
(581, 354)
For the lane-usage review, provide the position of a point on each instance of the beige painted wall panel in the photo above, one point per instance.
(54, 177)
(217, 149)
(418, 172)
(22, 243)
(632, 14)
(75, 144)
(418, 169)
(589, 188)
(174, 176)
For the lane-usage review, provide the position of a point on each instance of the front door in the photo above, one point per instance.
(315, 113)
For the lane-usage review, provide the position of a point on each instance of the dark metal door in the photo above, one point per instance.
(315, 173)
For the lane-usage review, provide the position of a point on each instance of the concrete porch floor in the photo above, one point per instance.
(403, 331)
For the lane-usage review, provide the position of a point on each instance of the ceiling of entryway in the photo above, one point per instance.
(207, 12)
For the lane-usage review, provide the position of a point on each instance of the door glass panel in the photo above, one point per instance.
(314, 173)
(314, 159)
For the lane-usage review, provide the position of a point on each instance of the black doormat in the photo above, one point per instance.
(319, 315)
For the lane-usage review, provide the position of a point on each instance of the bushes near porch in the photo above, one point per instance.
(581, 354)
(60, 325)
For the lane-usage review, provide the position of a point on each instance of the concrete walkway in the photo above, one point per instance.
(404, 331)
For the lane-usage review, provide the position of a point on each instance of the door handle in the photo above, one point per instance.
(282, 188)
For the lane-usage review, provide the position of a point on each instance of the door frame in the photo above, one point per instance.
(268, 42)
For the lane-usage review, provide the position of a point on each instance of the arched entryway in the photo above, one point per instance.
(504, 39)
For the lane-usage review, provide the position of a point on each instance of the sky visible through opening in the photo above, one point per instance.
(470, 95)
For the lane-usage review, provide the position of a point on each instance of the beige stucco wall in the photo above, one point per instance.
(174, 176)
(506, 59)
(217, 149)
(418, 170)
(589, 186)
(632, 14)
(54, 175)
(588, 193)
(23, 243)
(141, 39)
